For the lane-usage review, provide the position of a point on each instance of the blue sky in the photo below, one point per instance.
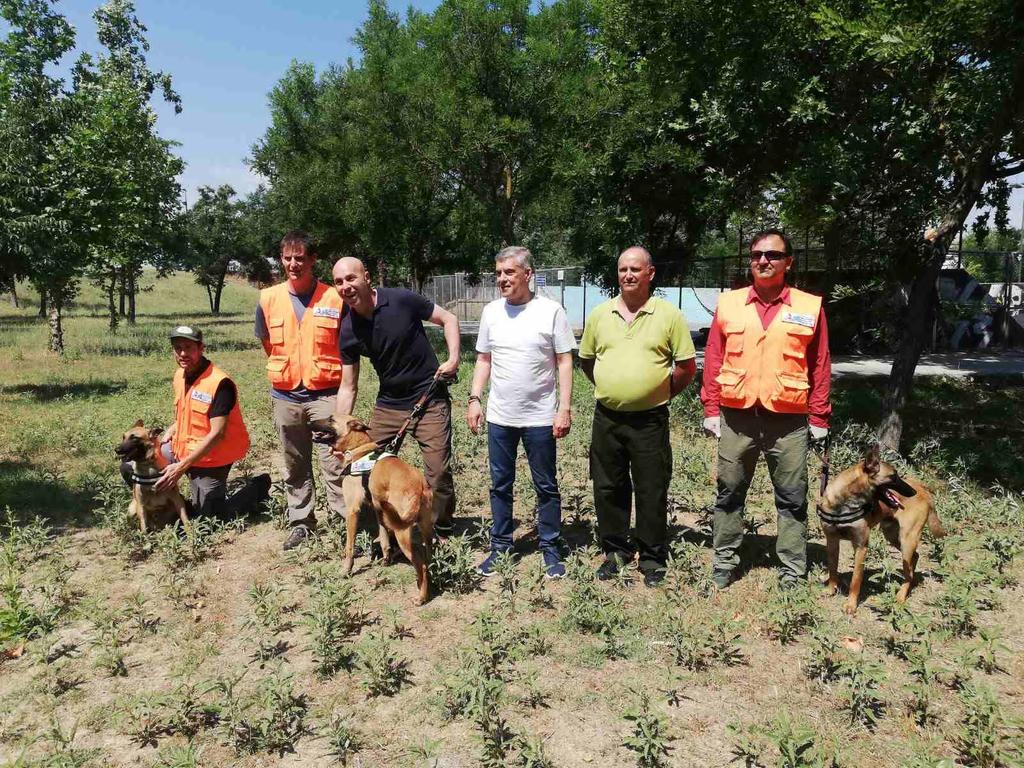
(224, 57)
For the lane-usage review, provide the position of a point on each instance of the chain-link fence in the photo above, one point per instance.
(983, 287)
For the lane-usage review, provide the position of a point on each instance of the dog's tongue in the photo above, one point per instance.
(892, 499)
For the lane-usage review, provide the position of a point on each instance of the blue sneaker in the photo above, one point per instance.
(553, 566)
(486, 568)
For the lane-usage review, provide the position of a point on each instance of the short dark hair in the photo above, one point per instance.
(788, 244)
(298, 237)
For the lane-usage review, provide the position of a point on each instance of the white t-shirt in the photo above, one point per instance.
(523, 340)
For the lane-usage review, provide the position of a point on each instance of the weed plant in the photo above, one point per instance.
(981, 739)
(648, 737)
(790, 613)
(860, 697)
(342, 738)
(272, 720)
(333, 619)
(453, 566)
(382, 672)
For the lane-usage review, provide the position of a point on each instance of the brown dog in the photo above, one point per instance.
(868, 494)
(153, 508)
(398, 492)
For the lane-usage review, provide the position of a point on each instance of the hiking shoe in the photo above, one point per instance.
(297, 537)
(262, 484)
(653, 577)
(788, 583)
(554, 568)
(610, 568)
(487, 567)
(721, 578)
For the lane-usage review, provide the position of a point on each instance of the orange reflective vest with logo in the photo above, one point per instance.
(192, 420)
(303, 353)
(766, 365)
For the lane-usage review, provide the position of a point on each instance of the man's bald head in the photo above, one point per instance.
(352, 281)
(636, 270)
(636, 251)
(349, 263)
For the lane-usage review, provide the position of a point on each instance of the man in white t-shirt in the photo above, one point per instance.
(524, 347)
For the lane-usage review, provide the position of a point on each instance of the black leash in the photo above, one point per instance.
(395, 444)
(824, 457)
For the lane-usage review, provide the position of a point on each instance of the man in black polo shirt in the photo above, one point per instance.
(386, 325)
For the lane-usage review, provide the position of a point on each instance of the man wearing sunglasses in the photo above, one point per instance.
(766, 384)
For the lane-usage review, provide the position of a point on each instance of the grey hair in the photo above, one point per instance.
(521, 255)
(640, 250)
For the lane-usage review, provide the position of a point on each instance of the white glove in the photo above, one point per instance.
(818, 433)
(713, 426)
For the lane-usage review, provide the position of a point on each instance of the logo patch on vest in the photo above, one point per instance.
(797, 319)
(202, 397)
(327, 312)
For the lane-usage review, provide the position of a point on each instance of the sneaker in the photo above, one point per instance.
(298, 535)
(554, 568)
(487, 567)
(653, 577)
(610, 568)
(721, 578)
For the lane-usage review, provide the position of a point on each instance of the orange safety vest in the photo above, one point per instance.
(192, 420)
(303, 353)
(766, 365)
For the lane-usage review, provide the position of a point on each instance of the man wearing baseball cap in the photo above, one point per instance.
(208, 434)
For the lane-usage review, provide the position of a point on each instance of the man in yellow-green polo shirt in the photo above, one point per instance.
(637, 351)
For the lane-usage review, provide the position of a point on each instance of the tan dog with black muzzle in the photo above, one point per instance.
(868, 494)
(153, 508)
(398, 493)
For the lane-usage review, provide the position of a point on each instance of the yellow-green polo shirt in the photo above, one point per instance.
(633, 362)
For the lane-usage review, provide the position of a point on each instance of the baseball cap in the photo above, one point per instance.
(186, 332)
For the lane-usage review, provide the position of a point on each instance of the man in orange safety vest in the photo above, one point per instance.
(765, 385)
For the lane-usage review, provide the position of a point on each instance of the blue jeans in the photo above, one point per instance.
(502, 446)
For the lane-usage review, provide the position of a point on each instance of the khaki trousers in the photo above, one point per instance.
(294, 426)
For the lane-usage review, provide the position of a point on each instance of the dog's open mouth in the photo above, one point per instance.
(892, 499)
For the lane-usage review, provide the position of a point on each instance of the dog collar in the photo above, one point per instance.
(147, 479)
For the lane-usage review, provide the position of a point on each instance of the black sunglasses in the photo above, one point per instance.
(770, 255)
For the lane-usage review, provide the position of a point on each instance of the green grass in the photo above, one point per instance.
(582, 672)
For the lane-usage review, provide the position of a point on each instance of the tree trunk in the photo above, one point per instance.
(132, 287)
(42, 303)
(14, 294)
(917, 321)
(209, 296)
(507, 209)
(111, 308)
(218, 290)
(123, 283)
(56, 328)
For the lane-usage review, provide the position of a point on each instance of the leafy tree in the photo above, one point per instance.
(913, 111)
(216, 228)
(35, 225)
(130, 171)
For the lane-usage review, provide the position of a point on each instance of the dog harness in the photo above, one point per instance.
(849, 512)
(362, 466)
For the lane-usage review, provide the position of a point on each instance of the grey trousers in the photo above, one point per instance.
(783, 439)
(294, 423)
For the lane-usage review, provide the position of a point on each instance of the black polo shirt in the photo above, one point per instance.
(224, 398)
(396, 344)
